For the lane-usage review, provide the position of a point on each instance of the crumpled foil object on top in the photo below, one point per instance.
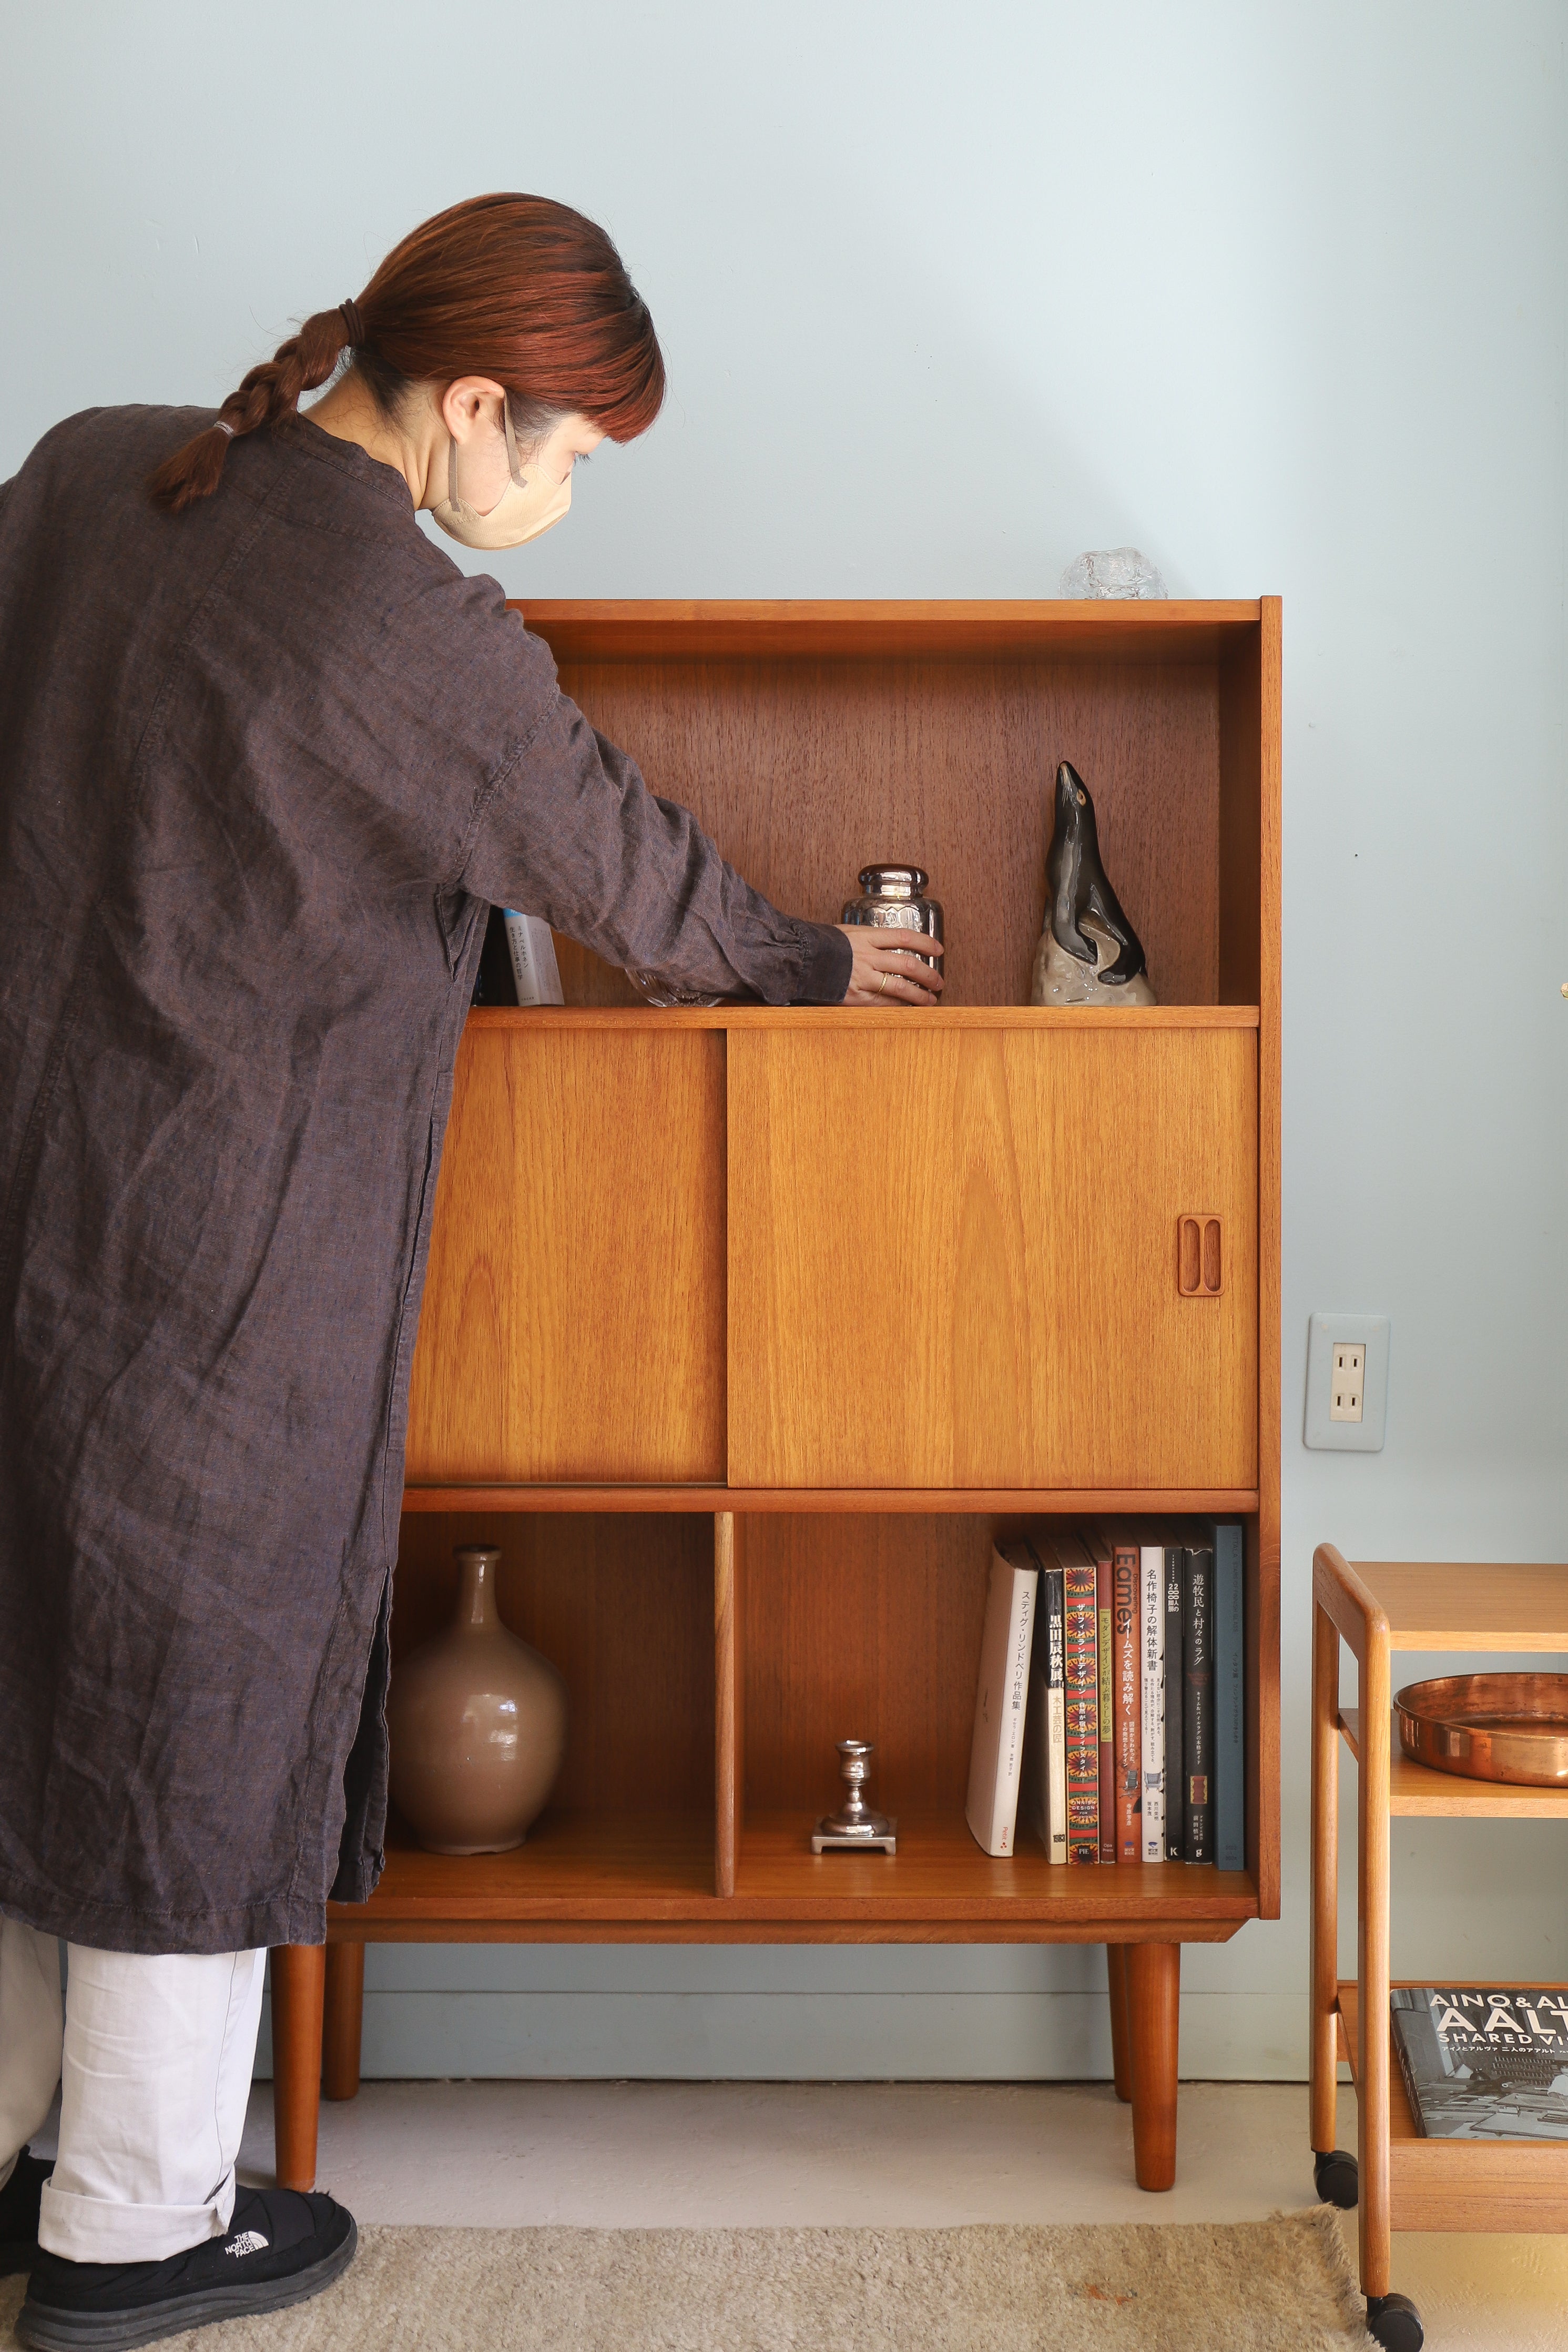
(1112, 572)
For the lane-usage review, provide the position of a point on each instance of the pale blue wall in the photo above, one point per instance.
(1277, 293)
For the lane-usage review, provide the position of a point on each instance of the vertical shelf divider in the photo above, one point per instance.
(729, 1685)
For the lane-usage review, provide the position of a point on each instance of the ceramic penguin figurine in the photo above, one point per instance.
(1089, 952)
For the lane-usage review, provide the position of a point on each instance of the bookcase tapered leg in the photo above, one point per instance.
(298, 1982)
(342, 2020)
(1154, 1992)
(1116, 1979)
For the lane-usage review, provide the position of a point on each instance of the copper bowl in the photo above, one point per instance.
(1488, 1726)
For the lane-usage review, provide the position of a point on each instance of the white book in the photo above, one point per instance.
(1000, 1698)
(1152, 1645)
(533, 967)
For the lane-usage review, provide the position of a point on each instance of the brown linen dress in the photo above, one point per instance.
(264, 767)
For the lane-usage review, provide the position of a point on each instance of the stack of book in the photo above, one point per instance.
(1110, 1714)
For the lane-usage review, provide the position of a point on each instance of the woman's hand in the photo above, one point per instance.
(884, 971)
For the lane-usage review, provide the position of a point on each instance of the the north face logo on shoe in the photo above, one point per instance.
(250, 2242)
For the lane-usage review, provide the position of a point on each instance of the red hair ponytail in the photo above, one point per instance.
(517, 288)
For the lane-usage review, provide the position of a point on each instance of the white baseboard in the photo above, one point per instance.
(747, 2036)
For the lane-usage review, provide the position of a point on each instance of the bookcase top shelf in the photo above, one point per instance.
(1172, 630)
(830, 1019)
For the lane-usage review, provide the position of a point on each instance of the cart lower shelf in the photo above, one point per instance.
(1459, 2184)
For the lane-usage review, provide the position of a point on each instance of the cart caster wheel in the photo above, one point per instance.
(1337, 2181)
(1395, 2322)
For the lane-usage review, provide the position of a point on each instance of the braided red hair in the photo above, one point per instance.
(514, 287)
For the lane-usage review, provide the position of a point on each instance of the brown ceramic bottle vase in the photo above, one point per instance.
(476, 1721)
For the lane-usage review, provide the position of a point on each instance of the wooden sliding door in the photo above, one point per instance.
(955, 1255)
(573, 1326)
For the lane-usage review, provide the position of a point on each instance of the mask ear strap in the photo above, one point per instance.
(514, 458)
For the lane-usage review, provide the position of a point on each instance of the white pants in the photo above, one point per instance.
(154, 2058)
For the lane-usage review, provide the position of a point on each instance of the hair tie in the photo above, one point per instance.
(349, 313)
(219, 426)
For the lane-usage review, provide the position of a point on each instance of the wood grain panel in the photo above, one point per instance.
(573, 1322)
(864, 1628)
(804, 771)
(997, 1213)
(623, 1607)
(1470, 1604)
(1238, 881)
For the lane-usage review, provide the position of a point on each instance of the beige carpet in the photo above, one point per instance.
(1252, 2286)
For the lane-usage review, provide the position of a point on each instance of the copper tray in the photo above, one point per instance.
(1488, 1726)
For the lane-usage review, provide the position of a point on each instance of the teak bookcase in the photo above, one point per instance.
(1401, 2179)
(747, 1331)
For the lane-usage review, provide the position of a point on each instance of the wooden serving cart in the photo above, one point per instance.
(1405, 2181)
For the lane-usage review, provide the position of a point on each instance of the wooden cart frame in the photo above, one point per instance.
(1405, 2182)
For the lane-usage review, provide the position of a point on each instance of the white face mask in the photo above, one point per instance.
(527, 506)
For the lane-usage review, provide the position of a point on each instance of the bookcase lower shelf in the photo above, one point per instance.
(1459, 2184)
(644, 1877)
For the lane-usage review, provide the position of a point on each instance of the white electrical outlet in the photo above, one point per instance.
(1347, 1382)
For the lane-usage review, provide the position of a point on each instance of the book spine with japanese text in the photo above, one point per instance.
(1175, 1808)
(1055, 1724)
(1152, 1696)
(1101, 1549)
(1198, 1703)
(1126, 1698)
(1230, 1699)
(1001, 1695)
(1082, 1687)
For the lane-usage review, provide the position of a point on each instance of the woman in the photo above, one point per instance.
(266, 758)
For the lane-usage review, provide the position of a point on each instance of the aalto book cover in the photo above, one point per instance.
(1483, 2065)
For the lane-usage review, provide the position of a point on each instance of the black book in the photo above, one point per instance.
(494, 982)
(1483, 2065)
(1198, 1703)
(1175, 1808)
(1043, 1797)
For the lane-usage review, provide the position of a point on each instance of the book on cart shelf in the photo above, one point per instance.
(997, 1753)
(1481, 2064)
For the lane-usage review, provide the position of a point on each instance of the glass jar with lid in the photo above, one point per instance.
(893, 898)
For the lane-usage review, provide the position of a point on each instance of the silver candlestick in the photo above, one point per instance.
(854, 1824)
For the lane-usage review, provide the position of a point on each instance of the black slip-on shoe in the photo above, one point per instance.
(281, 2247)
(19, 2214)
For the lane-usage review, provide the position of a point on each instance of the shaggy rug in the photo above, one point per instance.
(1252, 2286)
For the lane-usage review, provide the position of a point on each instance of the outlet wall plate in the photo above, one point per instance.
(1362, 1436)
